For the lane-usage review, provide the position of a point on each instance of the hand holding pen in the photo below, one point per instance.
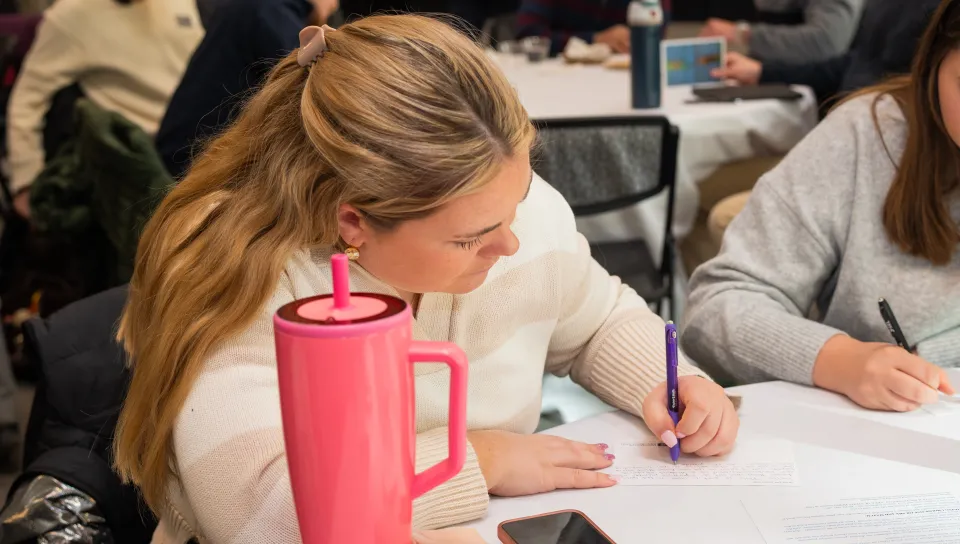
(934, 378)
(877, 375)
(707, 423)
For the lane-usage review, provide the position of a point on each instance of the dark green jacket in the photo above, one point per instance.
(104, 183)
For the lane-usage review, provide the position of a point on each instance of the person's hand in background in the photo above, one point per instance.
(518, 464)
(457, 535)
(720, 28)
(21, 203)
(708, 422)
(617, 37)
(879, 376)
(739, 68)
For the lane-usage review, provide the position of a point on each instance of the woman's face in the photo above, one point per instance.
(948, 81)
(452, 250)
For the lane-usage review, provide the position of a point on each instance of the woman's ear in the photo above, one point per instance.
(353, 229)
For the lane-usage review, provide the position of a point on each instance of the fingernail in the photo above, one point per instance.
(602, 446)
(609, 456)
(613, 477)
(681, 436)
(669, 438)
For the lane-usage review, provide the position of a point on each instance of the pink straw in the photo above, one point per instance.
(341, 281)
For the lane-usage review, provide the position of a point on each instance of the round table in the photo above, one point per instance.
(840, 450)
(711, 135)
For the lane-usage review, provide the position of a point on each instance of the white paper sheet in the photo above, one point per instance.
(931, 518)
(752, 462)
(946, 406)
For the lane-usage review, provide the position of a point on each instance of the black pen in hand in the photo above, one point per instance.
(891, 321)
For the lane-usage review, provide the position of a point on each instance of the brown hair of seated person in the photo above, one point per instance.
(916, 215)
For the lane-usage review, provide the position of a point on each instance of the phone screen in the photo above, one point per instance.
(559, 528)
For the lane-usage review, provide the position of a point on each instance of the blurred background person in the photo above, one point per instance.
(244, 39)
(476, 12)
(125, 56)
(593, 22)
(810, 30)
(885, 46)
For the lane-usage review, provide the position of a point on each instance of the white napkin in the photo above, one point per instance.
(578, 50)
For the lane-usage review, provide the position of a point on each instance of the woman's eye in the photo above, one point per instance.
(470, 244)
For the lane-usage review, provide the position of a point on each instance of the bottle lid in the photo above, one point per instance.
(342, 307)
(645, 13)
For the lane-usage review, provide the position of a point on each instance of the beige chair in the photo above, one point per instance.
(700, 245)
(723, 213)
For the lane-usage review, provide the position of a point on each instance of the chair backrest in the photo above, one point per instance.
(606, 164)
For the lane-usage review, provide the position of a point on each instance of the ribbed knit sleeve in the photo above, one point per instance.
(462, 498)
(607, 339)
(627, 357)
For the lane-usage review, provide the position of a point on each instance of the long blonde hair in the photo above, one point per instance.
(401, 115)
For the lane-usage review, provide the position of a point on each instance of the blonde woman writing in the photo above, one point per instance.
(398, 141)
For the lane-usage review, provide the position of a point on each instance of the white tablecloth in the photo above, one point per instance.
(711, 135)
(840, 449)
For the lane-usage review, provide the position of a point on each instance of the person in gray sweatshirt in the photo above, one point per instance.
(866, 207)
(825, 29)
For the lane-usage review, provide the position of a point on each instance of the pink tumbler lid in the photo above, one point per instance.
(342, 307)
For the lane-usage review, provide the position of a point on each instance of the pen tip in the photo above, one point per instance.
(674, 462)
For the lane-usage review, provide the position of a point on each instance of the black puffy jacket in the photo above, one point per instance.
(83, 380)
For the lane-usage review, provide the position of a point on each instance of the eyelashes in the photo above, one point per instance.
(470, 244)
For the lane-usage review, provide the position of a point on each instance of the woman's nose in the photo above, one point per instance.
(510, 244)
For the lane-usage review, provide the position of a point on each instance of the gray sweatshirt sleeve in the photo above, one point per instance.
(942, 349)
(746, 318)
(827, 31)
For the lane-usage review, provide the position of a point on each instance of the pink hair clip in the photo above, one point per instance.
(312, 44)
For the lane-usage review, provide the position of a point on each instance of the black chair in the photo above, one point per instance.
(606, 164)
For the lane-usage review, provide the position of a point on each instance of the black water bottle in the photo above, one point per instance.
(645, 18)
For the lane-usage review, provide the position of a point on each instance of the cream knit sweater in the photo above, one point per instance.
(126, 58)
(550, 308)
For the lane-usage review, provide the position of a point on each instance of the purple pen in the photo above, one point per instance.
(673, 384)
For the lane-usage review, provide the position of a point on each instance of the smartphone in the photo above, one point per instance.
(564, 527)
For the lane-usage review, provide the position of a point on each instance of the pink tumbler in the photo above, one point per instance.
(345, 364)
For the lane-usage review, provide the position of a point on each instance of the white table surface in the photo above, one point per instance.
(850, 452)
(711, 135)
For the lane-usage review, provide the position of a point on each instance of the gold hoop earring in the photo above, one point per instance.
(352, 253)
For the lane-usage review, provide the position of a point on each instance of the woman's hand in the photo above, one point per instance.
(720, 28)
(617, 37)
(708, 423)
(879, 376)
(518, 464)
(739, 68)
(448, 536)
